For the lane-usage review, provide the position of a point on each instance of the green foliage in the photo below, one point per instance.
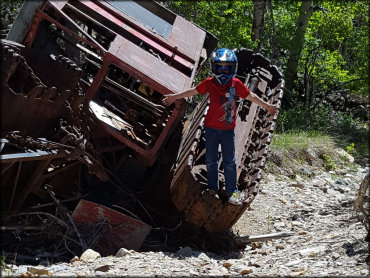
(299, 141)
(8, 12)
(329, 163)
(230, 21)
(301, 118)
(3, 258)
(350, 148)
(336, 45)
(346, 129)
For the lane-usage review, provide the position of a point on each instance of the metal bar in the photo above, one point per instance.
(38, 155)
(58, 171)
(6, 168)
(3, 142)
(36, 179)
(15, 184)
(133, 96)
(95, 45)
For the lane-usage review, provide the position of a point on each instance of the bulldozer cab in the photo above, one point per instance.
(131, 53)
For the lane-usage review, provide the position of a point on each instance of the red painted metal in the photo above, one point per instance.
(39, 14)
(124, 231)
(119, 22)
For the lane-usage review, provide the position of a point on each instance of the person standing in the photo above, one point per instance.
(223, 89)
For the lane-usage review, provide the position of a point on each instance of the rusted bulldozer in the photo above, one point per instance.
(82, 84)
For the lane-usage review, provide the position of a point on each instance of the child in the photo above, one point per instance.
(223, 89)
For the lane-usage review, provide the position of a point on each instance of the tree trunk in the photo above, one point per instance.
(274, 42)
(258, 22)
(296, 44)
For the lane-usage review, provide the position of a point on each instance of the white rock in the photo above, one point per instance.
(89, 256)
(100, 274)
(312, 252)
(201, 255)
(344, 154)
(295, 262)
(122, 252)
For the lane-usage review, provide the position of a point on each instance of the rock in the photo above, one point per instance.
(66, 274)
(256, 245)
(296, 184)
(345, 155)
(292, 263)
(335, 255)
(74, 259)
(122, 252)
(100, 274)
(185, 252)
(304, 171)
(246, 271)
(38, 271)
(200, 255)
(89, 256)
(103, 268)
(312, 252)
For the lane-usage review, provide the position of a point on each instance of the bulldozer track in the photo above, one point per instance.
(189, 182)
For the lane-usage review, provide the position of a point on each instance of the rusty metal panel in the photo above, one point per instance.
(242, 131)
(187, 37)
(150, 66)
(124, 231)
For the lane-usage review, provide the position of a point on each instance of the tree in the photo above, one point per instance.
(258, 23)
(297, 43)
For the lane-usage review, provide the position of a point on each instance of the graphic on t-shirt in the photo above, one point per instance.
(229, 107)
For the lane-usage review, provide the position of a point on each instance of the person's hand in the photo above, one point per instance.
(272, 109)
(168, 99)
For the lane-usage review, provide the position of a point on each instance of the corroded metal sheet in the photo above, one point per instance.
(124, 231)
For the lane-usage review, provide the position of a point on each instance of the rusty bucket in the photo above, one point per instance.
(123, 230)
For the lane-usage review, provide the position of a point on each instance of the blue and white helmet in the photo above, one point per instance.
(223, 74)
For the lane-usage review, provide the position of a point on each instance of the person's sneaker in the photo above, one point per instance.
(213, 193)
(233, 198)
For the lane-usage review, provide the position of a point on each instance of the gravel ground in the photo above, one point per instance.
(328, 240)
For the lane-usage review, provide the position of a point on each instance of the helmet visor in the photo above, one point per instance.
(223, 68)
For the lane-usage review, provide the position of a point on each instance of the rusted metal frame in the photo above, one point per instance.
(134, 97)
(39, 14)
(146, 156)
(15, 185)
(36, 179)
(58, 171)
(110, 149)
(38, 155)
(7, 167)
(69, 6)
(118, 19)
(32, 32)
(3, 141)
(93, 41)
(149, 39)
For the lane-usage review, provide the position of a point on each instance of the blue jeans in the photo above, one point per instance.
(227, 139)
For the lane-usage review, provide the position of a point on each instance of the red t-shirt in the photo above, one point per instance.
(222, 107)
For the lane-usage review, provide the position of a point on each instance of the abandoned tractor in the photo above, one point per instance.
(82, 118)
